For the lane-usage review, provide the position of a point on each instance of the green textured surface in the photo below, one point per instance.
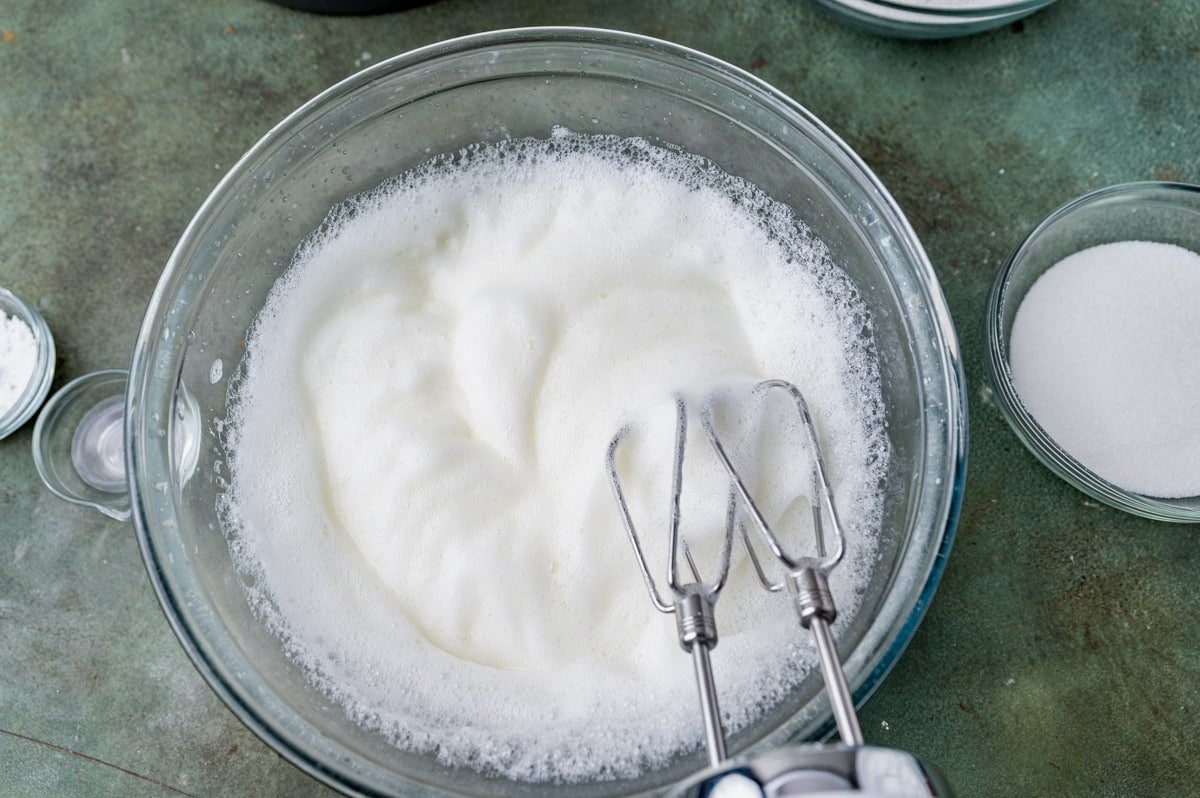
(1061, 655)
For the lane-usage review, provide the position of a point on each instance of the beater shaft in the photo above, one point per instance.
(813, 600)
(835, 684)
(698, 636)
(714, 734)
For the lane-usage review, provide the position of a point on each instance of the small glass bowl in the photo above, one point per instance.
(35, 391)
(930, 19)
(79, 443)
(1147, 211)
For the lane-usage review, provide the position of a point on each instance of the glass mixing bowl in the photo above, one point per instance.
(435, 100)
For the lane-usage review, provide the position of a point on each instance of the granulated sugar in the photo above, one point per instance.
(1104, 356)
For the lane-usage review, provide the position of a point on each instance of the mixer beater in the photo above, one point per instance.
(693, 601)
(850, 768)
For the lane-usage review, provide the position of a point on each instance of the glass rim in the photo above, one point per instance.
(999, 374)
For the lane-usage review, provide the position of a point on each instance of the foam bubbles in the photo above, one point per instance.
(417, 441)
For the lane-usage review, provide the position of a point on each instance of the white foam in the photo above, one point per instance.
(417, 439)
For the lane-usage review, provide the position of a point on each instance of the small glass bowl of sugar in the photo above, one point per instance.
(1092, 346)
(26, 362)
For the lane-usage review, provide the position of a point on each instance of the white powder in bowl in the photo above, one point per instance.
(1104, 356)
(18, 358)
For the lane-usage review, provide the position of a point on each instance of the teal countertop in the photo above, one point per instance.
(1061, 655)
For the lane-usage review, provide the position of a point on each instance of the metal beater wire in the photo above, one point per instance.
(807, 578)
(693, 600)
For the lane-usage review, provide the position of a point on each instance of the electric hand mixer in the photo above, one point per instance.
(850, 768)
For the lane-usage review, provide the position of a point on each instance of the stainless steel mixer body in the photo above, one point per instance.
(819, 770)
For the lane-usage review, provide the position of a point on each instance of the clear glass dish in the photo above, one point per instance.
(930, 19)
(78, 443)
(436, 100)
(1146, 211)
(34, 393)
